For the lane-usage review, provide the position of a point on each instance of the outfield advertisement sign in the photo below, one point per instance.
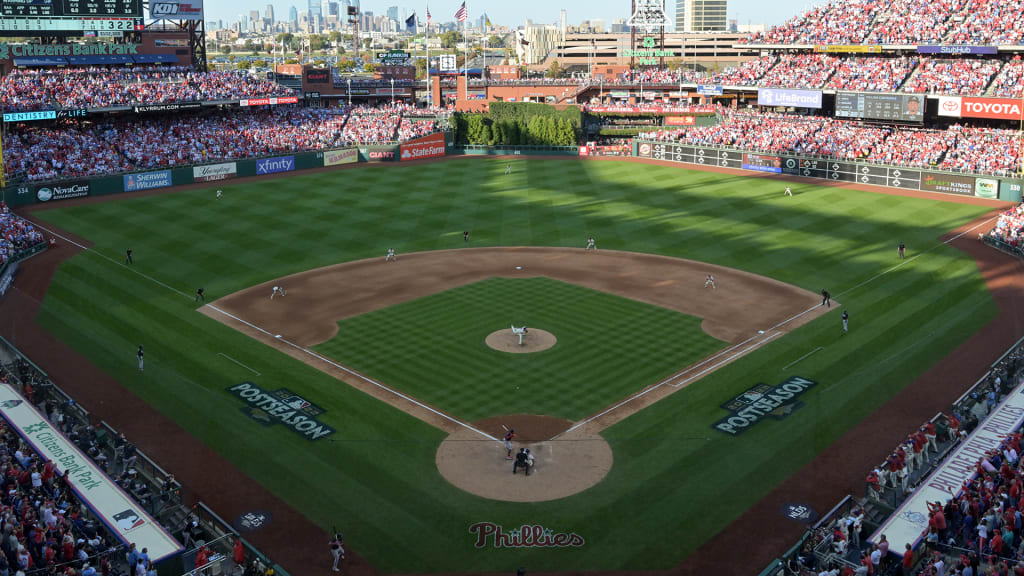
(282, 406)
(431, 146)
(213, 172)
(1011, 190)
(762, 163)
(910, 521)
(990, 108)
(378, 153)
(62, 191)
(147, 180)
(275, 165)
(680, 120)
(957, 50)
(117, 510)
(948, 183)
(337, 157)
(792, 98)
(707, 90)
(986, 188)
(763, 401)
(269, 101)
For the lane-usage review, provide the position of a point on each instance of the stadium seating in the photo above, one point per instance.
(800, 71)
(871, 73)
(16, 236)
(838, 22)
(914, 22)
(1008, 83)
(965, 77)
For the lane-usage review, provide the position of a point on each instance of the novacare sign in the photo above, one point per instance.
(117, 510)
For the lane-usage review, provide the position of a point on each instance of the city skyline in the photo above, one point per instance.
(515, 15)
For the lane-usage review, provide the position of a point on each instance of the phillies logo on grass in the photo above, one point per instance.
(526, 536)
(762, 401)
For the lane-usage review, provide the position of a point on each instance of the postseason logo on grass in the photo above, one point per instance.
(762, 401)
(282, 406)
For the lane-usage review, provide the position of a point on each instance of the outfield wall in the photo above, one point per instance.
(962, 184)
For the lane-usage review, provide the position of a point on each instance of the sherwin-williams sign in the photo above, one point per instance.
(117, 510)
(147, 180)
(793, 98)
(274, 165)
(282, 406)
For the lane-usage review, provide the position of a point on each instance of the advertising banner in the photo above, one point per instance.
(643, 149)
(910, 521)
(994, 108)
(63, 191)
(167, 107)
(709, 90)
(948, 183)
(337, 157)
(949, 106)
(269, 101)
(176, 9)
(584, 151)
(378, 153)
(147, 181)
(431, 146)
(318, 76)
(680, 120)
(117, 510)
(957, 50)
(849, 49)
(1011, 190)
(275, 165)
(761, 163)
(986, 188)
(794, 98)
(619, 93)
(213, 172)
(30, 116)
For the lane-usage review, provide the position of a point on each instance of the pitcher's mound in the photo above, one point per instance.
(565, 466)
(534, 341)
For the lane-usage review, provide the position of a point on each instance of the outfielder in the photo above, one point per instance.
(508, 169)
(277, 290)
(788, 191)
(710, 281)
(902, 250)
(591, 244)
(391, 255)
(219, 194)
(846, 322)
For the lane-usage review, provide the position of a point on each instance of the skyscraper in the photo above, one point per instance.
(313, 8)
(293, 14)
(701, 15)
(243, 23)
(269, 13)
(562, 21)
(325, 9)
(392, 13)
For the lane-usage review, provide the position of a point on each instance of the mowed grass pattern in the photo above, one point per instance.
(675, 481)
(433, 348)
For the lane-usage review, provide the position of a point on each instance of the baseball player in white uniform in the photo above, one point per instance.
(276, 291)
(219, 194)
(591, 244)
(788, 191)
(710, 281)
(391, 255)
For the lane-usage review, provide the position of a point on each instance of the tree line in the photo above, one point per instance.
(518, 124)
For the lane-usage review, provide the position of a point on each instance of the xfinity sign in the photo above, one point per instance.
(789, 98)
(274, 165)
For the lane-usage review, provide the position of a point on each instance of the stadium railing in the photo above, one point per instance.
(1003, 246)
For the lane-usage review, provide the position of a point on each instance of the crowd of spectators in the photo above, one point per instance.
(960, 76)
(838, 22)
(16, 235)
(747, 74)
(39, 152)
(988, 22)
(1008, 84)
(871, 73)
(914, 22)
(800, 71)
(47, 88)
(958, 148)
(1009, 227)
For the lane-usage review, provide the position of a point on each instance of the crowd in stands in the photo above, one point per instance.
(871, 73)
(1008, 84)
(838, 22)
(44, 152)
(746, 75)
(962, 76)
(988, 22)
(957, 148)
(16, 235)
(48, 88)
(914, 22)
(800, 71)
(1009, 227)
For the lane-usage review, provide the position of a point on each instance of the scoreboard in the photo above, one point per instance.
(893, 107)
(69, 16)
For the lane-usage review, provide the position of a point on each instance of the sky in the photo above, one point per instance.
(514, 14)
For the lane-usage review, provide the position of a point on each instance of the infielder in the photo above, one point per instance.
(591, 244)
(846, 322)
(277, 290)
(902, 250)
(139, 354)
(788, 191)
(710, 281)
(337, 550)
(391, 255)
(826, 298)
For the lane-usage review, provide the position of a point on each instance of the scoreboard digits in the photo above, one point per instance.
(66, 16)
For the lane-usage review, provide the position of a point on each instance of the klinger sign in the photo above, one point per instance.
(762, 401)
(427, 147)
(176, 10)
(967, 107)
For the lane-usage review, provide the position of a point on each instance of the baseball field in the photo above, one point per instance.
(370, 398)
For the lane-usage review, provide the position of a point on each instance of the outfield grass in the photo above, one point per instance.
(440, 339)
(380, 477)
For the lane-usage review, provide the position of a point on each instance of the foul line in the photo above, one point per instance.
(115, 262)
(801, 358)
(353, 373)
(239, 363)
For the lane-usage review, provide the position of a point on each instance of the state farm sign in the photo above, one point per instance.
(992, 108)
(426, 147)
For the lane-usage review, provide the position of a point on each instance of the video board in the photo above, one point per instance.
(893, 107)
(69, 16)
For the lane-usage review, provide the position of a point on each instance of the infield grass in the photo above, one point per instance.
(675, 481)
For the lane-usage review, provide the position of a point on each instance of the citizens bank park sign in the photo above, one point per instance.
(763, 401)
(284, 407)
(8, 51)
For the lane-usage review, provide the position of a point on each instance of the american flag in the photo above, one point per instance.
(428, 15)
(461, 14)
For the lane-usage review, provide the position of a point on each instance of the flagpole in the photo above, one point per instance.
(465, 39)
(426, 44)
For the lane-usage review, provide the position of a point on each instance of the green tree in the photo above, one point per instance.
(449, 39)
(495, 41)
(334, 36)
(368, 67)
(555, 71)
(261, 63)
(243, 65)
(340, 50)
(317, 42)
(291, 61)
(366, 43)
(487, 135)
(249, 46)
(346, 64)
(225, 49)
(286, 38)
